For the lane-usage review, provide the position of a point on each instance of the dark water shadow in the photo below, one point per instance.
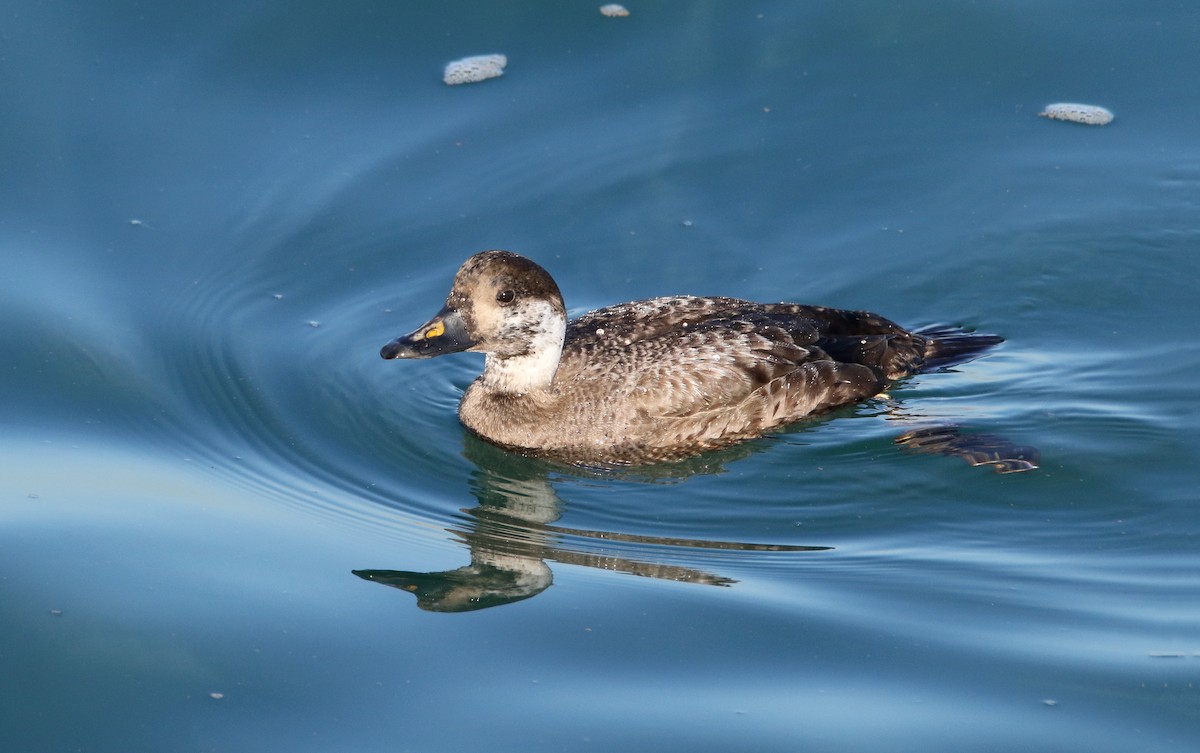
(992, 450)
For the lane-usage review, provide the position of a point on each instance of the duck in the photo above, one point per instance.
(662, 379)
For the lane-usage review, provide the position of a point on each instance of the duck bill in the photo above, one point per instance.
(444, 333)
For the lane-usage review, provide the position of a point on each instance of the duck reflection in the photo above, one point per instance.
(511, 536)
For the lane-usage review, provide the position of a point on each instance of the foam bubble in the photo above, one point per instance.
(476, 68)
(1076, 113)
(613, 10)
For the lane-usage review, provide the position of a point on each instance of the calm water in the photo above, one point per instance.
(212, 215)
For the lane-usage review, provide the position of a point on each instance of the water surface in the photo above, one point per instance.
(213, 215)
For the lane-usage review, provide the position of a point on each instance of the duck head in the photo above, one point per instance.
(503, 305)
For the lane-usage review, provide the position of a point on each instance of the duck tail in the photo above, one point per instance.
(947, 346)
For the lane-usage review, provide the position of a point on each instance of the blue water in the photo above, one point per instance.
(212, 215)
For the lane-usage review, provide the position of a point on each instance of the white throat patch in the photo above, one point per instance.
(544, 329)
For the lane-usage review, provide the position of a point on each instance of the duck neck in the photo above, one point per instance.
(532, 369)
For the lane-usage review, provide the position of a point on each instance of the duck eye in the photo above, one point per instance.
(506, 296)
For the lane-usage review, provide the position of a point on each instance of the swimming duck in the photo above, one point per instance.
(660, 379)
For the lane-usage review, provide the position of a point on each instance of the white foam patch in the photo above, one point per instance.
(476, 68)
(613, 10)
(1076, 113)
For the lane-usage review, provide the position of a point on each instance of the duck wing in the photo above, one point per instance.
(725, 365)
(682, 375)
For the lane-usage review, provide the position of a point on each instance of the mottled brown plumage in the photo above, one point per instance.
(660, 379)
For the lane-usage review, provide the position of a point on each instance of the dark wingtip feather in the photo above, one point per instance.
(949, 346)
